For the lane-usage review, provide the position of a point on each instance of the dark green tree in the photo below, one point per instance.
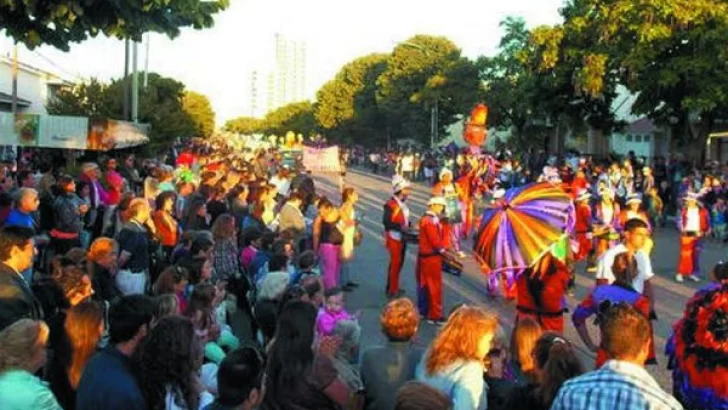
(59, 23)
(297, 117)
(244, 125)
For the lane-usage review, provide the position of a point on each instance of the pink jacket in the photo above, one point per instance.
(326, 321)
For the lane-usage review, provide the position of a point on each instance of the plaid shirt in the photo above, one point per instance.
(225, 259)
(616, 385)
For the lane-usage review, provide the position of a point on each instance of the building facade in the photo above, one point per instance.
(35, 87)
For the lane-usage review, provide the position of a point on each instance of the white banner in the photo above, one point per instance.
(321, 159)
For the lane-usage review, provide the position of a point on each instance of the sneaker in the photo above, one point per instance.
(679, 278)
(694, 278)
(436, 322)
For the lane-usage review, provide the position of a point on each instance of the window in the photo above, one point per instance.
(629, 138)
(638, 138)
(646, 138)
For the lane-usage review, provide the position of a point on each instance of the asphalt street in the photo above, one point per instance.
(370, 266)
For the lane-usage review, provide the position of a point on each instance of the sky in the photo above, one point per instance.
(218, 61)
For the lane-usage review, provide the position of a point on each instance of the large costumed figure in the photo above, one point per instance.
(694, 226)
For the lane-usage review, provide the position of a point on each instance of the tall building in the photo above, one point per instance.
(282, 81)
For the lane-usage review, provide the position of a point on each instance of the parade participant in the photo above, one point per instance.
(451, 192)
(694, 225)
(635, 234)
(633, 211)
(583, 226)
(541, 289)
(396, 221)
(465, 184)
(606, 221)
(429, 262)
(603, 298)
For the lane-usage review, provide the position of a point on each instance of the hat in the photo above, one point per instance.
(583, 194)
(399, 183)
(634, 198)
(437, 200)
(444, 172)
(499, 193)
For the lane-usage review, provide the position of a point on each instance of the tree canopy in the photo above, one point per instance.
(199, 109)
(160, 105)
(244, 125)
(59, 23)
(297, 117)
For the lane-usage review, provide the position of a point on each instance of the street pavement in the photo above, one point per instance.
(370, 266)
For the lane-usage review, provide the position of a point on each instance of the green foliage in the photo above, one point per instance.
(423, 72)
(160, 105)
(297, 117)
(199, 109)
(58, 23)
(244, 125)
(346, 107)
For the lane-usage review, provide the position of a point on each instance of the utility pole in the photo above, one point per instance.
(135, 83)
(146, 62)
(125, 82)
(14, 73)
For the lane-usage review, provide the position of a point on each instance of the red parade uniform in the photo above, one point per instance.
(395, 219)
(583, 229)
(693, 225)
(429, 266)
(547, 307)
(611, 222)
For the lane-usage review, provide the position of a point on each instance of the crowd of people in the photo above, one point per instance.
(218, 280)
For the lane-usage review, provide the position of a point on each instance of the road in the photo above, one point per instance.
(369, 269)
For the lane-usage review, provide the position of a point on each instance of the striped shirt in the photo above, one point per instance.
(616, 385)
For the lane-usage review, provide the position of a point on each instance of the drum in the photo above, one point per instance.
(452, 266)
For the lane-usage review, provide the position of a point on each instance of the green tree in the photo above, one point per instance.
(160, 105)
(297, 117)
(669, 52)
(199, 109)
(346, 107)
(58, 23)
(422, 73)
(244, 125)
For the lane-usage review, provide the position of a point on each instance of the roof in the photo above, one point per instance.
(6, 98)
(642, 126)
(51, 77)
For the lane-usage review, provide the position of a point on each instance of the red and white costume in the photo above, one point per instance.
(429, 266)
(694, 225)
(395, 220)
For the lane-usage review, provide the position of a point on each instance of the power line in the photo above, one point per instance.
(58, 67)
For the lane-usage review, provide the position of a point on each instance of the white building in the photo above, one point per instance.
(35, 87)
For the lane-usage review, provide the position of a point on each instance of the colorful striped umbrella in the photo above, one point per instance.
(519, 228)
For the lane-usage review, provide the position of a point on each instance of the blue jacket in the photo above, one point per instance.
(108, 383)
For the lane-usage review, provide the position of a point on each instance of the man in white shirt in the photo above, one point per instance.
(635, 234)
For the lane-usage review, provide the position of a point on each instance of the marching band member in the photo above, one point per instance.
(396, 221)
(694, 225)
(430, 260)
(606, 221)
(451, 192)
(583, 225)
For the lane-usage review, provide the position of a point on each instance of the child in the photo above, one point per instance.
(205, 309)
(718, 218)
(306, 263)
(332, 312)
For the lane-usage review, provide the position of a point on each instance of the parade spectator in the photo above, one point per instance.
(102, 258)
(173, 280)
(16, 255)
(349, 199)
(252, 242)
(22, 355)
(134, 258)
(225, 250)
(68, 209)
(332, 312)
(327, 242)
(420, 396)
(170, 360)
(454, 362)
(83, 328)
(26, 203)
(165, 223)
(622, 382)
(108, 381)
(386, 368)
(240, 381)
(299, 378)
(291, 218)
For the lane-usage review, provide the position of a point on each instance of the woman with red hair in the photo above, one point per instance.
(454, 362)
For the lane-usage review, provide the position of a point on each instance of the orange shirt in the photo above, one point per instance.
(166, 228)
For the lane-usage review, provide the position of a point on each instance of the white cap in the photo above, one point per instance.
(437, 200)
(634, 198)
(444, 172)
(583, 194)
(399, 183)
